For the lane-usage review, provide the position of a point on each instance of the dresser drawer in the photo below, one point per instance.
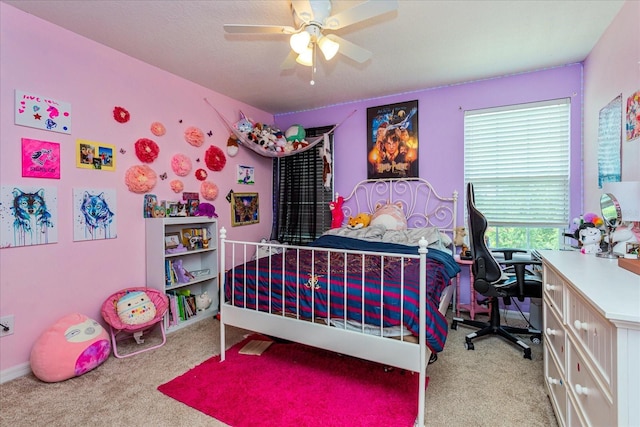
(553, 289)
(594, 334)
(593, 402)
(556, 385)
(554, 336)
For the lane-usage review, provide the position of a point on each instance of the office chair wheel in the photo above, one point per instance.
(468, 344)
(527, 353)
(454, 325)
(536, 339)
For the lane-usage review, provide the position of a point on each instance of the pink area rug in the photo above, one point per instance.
(295, 385)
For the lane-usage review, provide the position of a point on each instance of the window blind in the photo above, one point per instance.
(517, 158)
(302, 202)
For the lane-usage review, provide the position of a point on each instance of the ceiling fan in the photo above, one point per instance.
(313, 22)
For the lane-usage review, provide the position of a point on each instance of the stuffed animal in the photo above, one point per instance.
(391, 216)
(206, 209)
(620, 238)
(203, 301)
(590, 238)
(182, 274)
(459, 234)
(243, 125)
(135, 308)
(337, 215)
(295, 133)
(361, 220)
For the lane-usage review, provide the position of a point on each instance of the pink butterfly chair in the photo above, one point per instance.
(120, 331)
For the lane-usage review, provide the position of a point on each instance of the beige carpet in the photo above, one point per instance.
(490, 386)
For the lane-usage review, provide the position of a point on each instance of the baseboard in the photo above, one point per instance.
(15, 372)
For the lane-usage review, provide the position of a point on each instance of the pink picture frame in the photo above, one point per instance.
(40, 159)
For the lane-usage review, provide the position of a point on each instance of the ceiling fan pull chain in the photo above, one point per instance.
(313, 65)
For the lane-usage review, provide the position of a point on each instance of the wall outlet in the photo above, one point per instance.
(6, 322)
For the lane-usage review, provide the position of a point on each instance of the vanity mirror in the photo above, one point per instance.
(612, 215)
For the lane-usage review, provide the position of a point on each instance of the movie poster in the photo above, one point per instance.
(392, 141)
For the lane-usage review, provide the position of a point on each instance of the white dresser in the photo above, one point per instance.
(592, 340)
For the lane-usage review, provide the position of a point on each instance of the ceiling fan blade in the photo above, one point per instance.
(360, 12)
(351, 50)
(261, 29)
(289, 62)
(302, 10)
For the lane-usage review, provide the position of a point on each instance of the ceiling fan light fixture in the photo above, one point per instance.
(305, 57)
(300, 41)
(328, 47)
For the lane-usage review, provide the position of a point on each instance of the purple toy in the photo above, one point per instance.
(206, 209)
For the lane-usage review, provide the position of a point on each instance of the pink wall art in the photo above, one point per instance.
(40, 159)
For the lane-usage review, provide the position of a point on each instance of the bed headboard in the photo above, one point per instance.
(422, 205)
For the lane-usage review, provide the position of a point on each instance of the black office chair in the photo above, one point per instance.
(491, 280)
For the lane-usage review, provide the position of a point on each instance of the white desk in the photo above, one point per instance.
(592, 339)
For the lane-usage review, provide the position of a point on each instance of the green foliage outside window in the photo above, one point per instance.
(523, 237)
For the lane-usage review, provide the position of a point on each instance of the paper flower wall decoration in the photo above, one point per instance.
(177, 186)
(140, 178)
(181, 164)
(215, 159)
(121, 115)
(194, 136)
(147, 150)
(201, 174)
(158, 129)
(209, 190)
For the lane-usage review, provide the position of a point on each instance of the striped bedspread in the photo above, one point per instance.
(317, 284)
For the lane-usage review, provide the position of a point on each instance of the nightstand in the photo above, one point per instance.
(473, 307)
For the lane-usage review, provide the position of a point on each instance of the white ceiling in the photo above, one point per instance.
(424, 44)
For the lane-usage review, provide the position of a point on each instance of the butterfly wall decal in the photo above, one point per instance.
(210, 133)
(123, 151)
(163, 176)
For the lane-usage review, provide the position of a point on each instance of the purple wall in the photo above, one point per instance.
(441, 129)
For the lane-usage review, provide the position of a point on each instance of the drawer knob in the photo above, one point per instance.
(552, 331)
(580, 390)
(580, 325)
(553, 381)
(550, 287)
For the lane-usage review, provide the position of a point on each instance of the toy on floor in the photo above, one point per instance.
(74, 345)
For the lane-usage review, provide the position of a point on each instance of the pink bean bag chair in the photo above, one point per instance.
(75, 344)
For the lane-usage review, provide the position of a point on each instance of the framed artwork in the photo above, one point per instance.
(40, 112)
(94, 214)
(633, 116)
(95, 155)
(610, 142)
(28, 215)
(245, 175)
(392, 141)
(40, 159)
(172, 240)
(244, 209)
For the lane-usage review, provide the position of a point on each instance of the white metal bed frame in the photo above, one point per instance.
(414, 194)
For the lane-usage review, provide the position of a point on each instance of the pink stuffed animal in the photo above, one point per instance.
(337, 215)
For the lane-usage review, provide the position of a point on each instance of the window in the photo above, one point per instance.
(301, 201)
(517, 158)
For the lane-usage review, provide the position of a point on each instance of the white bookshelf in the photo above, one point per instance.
(192, 260)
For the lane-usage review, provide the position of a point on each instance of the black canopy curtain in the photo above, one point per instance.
(300, 199)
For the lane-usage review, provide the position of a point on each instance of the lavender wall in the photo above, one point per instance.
(441, 130)
(441, 126)
(40, 284)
